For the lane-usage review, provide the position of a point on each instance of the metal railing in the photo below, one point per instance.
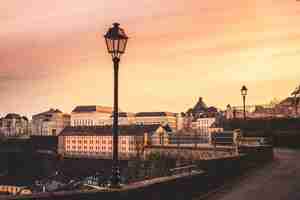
(184, 140)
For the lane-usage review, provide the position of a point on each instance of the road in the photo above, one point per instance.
(277, 180)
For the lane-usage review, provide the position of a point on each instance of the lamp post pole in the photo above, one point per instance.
(244, 104)
(115, 168)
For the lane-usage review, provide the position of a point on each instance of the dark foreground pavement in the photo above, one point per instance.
(277, 180)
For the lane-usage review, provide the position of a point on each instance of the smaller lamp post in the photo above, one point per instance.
(244, 91)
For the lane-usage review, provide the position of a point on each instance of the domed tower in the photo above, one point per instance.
(199, 109)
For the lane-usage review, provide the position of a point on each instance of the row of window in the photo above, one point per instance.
(108, 137)
(83, 122)
(97, 142)
(89, 122)
(91, 148)
(95, 146)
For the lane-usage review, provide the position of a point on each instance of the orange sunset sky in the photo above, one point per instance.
(52, 53)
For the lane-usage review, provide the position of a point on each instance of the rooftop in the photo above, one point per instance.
(92, 108)
(12, 116)
(107, 130)
(48, 112)
(125, 114)
(154, 114)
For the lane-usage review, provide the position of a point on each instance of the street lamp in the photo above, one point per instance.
(244, 91)
(116, 41)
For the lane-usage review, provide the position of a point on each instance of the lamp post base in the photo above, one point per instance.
(116, 178)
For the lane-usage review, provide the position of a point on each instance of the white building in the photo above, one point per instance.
(14, 125)
(91, 116)
(163, 118)
(206, 125)
(125, 118)
(49, 123)
(96, 141)
(180, 120)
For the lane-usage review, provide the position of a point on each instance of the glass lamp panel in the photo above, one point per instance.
(116, 41)
(244, 92)
(115, 45)
(109, 45)
(122, 45)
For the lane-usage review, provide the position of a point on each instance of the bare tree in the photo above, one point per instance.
(296, 94)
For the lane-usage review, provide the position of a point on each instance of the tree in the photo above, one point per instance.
(296, 92)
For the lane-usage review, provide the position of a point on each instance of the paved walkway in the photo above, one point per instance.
(279, 180)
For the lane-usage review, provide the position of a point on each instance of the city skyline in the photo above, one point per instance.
(53, 54)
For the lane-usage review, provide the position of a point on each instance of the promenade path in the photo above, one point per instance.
(279, 180)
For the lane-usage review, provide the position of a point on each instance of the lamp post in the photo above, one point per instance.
(244, 91)
(116, 41)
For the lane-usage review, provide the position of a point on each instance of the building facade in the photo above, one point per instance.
(49, 123)
(124, 118)
(206, 125)
(91, 115)
(13, 125)
(162, 118)
(200, 111)
(97, 141)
